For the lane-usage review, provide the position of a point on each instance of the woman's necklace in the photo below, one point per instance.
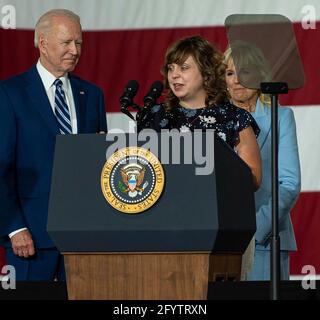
(188, 119)
(196, 118)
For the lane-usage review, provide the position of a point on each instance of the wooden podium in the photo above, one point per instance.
(150, 276)
(195, 233)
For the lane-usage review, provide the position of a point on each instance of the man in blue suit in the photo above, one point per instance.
(34, 107)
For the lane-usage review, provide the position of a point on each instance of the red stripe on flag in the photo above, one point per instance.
(306, 222)
(112, 58)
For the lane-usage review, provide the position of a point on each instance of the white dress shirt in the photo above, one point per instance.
(48, 80)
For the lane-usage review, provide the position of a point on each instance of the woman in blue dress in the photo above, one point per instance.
(258, 104)
(196, 98)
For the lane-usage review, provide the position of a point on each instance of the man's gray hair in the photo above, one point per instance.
(44, 23)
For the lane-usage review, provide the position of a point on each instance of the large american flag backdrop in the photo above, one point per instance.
(127, 39)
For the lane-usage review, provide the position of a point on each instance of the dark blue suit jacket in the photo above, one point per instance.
(27, 140)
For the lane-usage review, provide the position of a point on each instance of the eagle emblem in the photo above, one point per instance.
(132, 178)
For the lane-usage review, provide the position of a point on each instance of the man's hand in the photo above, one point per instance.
(22, 244)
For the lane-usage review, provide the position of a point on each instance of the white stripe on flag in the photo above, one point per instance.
(137, 14)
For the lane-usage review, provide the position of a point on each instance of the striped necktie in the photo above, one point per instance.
(61, 109)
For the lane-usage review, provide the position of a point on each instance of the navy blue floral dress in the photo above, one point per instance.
(226, 119)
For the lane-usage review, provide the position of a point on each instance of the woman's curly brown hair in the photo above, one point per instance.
(210, 64)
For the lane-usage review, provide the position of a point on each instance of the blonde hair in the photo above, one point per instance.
(247, 54)
(44, 23)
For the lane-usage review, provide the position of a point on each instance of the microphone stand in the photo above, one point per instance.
(124, 109)
(143, 110)
(274, 89)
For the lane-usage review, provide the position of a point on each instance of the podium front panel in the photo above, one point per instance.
(187, 216)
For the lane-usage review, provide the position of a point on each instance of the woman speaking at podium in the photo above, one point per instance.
(196, 98)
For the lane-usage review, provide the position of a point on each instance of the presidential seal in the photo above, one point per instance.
(132, 180)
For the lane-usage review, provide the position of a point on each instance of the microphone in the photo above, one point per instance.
(154, 93)
(126, 100)
(150, 99)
